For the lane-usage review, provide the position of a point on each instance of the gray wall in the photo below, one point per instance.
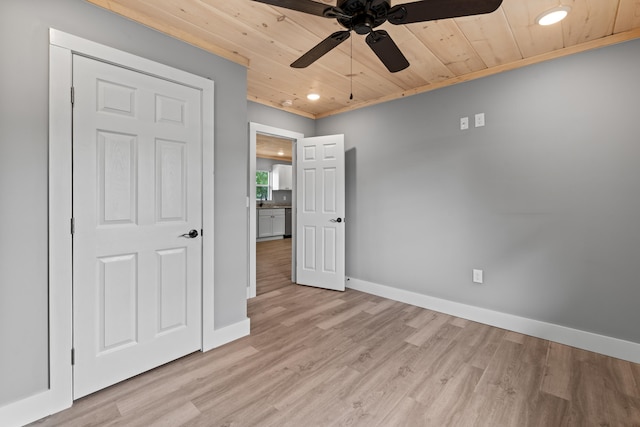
(545, 198)
(24, 43)
(268, 116)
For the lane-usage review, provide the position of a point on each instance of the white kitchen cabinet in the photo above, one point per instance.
(282, 177)
(270, 222)
(278, 222)
(265, 224)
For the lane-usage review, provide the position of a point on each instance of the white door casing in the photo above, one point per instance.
(137, 185)
(321, 212)
(59, 395)
(254, 130)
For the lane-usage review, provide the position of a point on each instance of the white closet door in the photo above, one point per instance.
(136, 190)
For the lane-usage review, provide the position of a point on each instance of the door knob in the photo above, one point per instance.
(336, 220)
(191, 234)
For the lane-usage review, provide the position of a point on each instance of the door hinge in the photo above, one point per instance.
(73, 96)
(73, 356)
(201, 232)
(73, 226)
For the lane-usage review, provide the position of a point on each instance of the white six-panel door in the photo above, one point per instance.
(136, 190)
(320, 230)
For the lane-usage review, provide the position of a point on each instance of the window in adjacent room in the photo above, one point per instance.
(262, 185)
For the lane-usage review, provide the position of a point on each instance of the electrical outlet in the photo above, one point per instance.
(477, 276)
(464, 123)
(284, 198)
(479, 120)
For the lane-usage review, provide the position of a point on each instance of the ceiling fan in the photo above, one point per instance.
(362, 16)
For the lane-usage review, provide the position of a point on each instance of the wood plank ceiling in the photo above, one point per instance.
(267, 39)
(272, 147)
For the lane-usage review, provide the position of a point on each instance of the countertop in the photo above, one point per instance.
(266, 206)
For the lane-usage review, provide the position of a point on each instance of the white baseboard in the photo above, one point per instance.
(602, 344)
(33, 408)
(266, 239)
(227, 334)
(251, 292)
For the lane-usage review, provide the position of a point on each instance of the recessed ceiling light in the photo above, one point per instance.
(313, 97)
(280, 153)
(553, 16)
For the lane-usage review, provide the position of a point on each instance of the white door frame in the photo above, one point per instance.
(62, 46)
(254, 129)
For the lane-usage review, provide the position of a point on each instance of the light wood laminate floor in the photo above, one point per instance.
(325, 358)
(273, 265)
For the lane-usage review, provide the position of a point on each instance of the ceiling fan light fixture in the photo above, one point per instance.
(553, 16)
(313, 97)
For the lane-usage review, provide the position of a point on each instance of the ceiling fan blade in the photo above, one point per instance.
(306, 6)
(383, 45)
(430, 10)
(321, 48)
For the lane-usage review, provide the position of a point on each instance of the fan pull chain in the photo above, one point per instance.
(351, 71)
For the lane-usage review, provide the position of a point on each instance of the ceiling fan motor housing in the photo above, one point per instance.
(362, 16)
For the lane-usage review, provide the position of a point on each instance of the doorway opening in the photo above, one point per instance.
(274, 195)
(270, 204)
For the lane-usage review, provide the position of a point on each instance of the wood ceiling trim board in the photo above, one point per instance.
(143, 18)
(532, 39)
(628, 16)
(584, 47)
(491, 37)
(281, 158)
(301, 113)
(590, 19)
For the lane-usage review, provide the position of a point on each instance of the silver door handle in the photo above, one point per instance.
(192, 234)
(336, 220)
